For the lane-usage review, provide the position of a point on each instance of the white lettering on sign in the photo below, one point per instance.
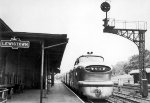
(15, 43)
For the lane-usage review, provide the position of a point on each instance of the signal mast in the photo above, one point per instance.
(136, 33)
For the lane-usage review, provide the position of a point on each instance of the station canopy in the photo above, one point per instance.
(54, 44)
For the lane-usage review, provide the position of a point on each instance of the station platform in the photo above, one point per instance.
(59, 93)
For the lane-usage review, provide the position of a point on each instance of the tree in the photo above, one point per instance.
(131, 64)
(147, 58)
(118, 68)
(134, 62)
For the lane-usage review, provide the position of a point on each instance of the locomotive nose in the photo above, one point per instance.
(97, 92)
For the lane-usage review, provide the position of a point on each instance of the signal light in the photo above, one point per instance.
(105, 6)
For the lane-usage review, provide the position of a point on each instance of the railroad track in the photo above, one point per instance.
(127, 94)
(123, 98)
(85, 99)
(97, 101)
(119, 96)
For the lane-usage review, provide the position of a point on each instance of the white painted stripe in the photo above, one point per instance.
(95, 83)
(75, 94)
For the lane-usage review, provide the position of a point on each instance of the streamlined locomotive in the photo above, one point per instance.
(91, 77)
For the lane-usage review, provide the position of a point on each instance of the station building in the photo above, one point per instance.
(29, 59)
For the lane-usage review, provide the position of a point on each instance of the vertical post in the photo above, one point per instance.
(106, 20)
(142, 74)
(48, 74)
(18, 67)
(52, 77)
(42, 67)
(46, 63)
(106, 15)
(3, 68)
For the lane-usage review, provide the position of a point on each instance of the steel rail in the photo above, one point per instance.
(130, 98)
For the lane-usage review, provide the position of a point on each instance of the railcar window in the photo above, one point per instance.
(77, 61)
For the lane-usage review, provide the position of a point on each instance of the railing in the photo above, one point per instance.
(119, 24)
(3, 95)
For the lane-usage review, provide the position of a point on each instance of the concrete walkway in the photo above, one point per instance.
(59, 93)
(28, 96)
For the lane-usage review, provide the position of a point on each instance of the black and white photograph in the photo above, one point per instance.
(74, 51)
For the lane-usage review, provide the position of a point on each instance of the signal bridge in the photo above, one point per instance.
(130, 30)
(134, 31)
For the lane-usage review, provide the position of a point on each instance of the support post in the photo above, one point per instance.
(3, 68)
(46, 63)
(42, 68)
(48, 74)
(142, 74)
(52, 77)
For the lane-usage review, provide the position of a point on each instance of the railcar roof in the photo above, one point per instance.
(91, 56)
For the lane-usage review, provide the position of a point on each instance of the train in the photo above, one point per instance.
(90, 77)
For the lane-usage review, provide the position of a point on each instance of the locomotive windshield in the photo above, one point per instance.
(91, 59)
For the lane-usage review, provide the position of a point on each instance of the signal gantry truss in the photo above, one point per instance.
(134, 31)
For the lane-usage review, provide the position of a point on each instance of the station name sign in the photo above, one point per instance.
(14, 43)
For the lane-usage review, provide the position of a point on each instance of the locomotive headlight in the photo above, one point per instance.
(104, 68)
(98, 68)
(76, 73)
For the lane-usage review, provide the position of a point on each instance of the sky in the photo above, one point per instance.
(82, 21)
